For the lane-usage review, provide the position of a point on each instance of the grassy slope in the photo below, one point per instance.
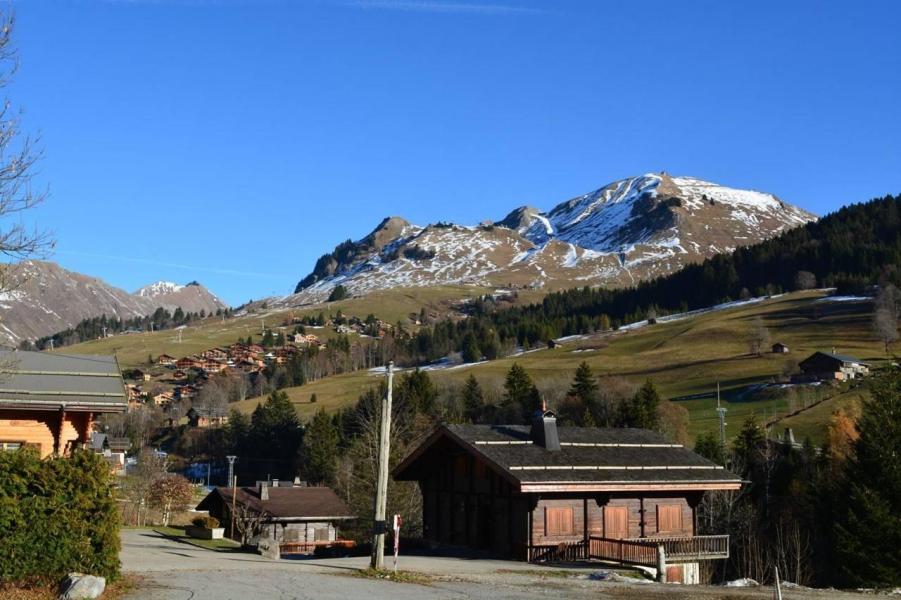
(681, 357)
(392, 306)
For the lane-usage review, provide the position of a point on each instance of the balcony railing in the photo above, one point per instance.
(310, 547)
(643, 551)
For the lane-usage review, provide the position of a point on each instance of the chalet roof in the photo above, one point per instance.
(606, 458)
(49, 381)
(842, 358)
(301, 503)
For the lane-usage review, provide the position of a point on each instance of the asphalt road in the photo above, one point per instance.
(173, 570)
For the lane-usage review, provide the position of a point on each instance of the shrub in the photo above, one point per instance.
(56, 516)
(205, 522)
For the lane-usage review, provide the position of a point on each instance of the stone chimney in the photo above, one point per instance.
(264, 490)
(544, 429)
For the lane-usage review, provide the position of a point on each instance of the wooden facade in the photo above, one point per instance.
(50, 401)
(560, 504)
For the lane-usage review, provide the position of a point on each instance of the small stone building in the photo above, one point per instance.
(295, 514)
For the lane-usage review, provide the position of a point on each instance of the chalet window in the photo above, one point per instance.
(669, 518)
(558, 521)
(10, 446)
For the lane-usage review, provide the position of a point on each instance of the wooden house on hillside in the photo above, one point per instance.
(544, 493)
(824, 366)
(164, 360)
(779, 348)
(50, 401)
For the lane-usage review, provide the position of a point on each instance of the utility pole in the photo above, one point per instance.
(231, 467)
(381, 496)
(231, 531)
(721, 413)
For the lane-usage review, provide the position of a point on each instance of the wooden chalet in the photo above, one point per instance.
(164, 360)
(189, 362)
(298, 518)
(544, 493)
(825, 366)
(50, 401)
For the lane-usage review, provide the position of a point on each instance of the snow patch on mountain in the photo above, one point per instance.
(159, 288)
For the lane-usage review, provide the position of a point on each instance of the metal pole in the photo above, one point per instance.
(231, 467)
(379, 525)
(231, 530)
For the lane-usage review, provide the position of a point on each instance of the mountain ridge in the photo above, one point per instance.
(627, 231)
(47, 298)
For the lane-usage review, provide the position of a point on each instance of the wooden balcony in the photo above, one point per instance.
(644, 551)
(634, 551)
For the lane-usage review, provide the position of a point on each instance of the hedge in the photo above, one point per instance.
(57, 515)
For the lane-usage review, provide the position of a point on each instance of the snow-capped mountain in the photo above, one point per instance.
(47, 298)
(159, 288)
(624, 232)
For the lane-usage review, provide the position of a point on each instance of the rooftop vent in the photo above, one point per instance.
(544, 429)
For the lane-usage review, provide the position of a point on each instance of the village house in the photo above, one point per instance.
(206, 417)
(185, 392)
(163, 399)
(544, 493)
(779, 348)
(216, 354)
(164, 360)
(824, 366)
(189, 362)
(50, 401)
(298, 518)
(213, 366)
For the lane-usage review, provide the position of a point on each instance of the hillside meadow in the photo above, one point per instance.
(684, 357)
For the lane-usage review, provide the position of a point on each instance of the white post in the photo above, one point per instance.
(778, 587)
(381, 495)
(661, 564)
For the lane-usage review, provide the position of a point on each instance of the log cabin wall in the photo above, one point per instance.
(465, 503)
(556, 520)
(40, 428)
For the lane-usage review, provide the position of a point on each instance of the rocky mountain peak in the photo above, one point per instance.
(619, 234)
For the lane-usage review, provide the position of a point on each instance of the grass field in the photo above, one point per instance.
(683, 357)
(392, 306)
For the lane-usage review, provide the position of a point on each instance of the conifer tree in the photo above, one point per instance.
(869, 534)
(584, 392)
(642, 410)
(473, 400)
(319, 451)
(521, 392)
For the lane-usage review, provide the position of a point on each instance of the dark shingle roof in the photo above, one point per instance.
(46, 380)
(843, 358)
(586, 455)
(287, 502)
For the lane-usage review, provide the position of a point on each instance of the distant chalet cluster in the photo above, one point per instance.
(189, 374)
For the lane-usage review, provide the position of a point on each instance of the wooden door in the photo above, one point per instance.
(616, 522)
(674, 574)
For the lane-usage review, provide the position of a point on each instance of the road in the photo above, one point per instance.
(171, 570)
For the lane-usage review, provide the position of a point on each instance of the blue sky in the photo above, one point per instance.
(233, 142)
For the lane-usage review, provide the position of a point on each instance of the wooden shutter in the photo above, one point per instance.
(616, 522)
(669, 518)
(558, 521)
